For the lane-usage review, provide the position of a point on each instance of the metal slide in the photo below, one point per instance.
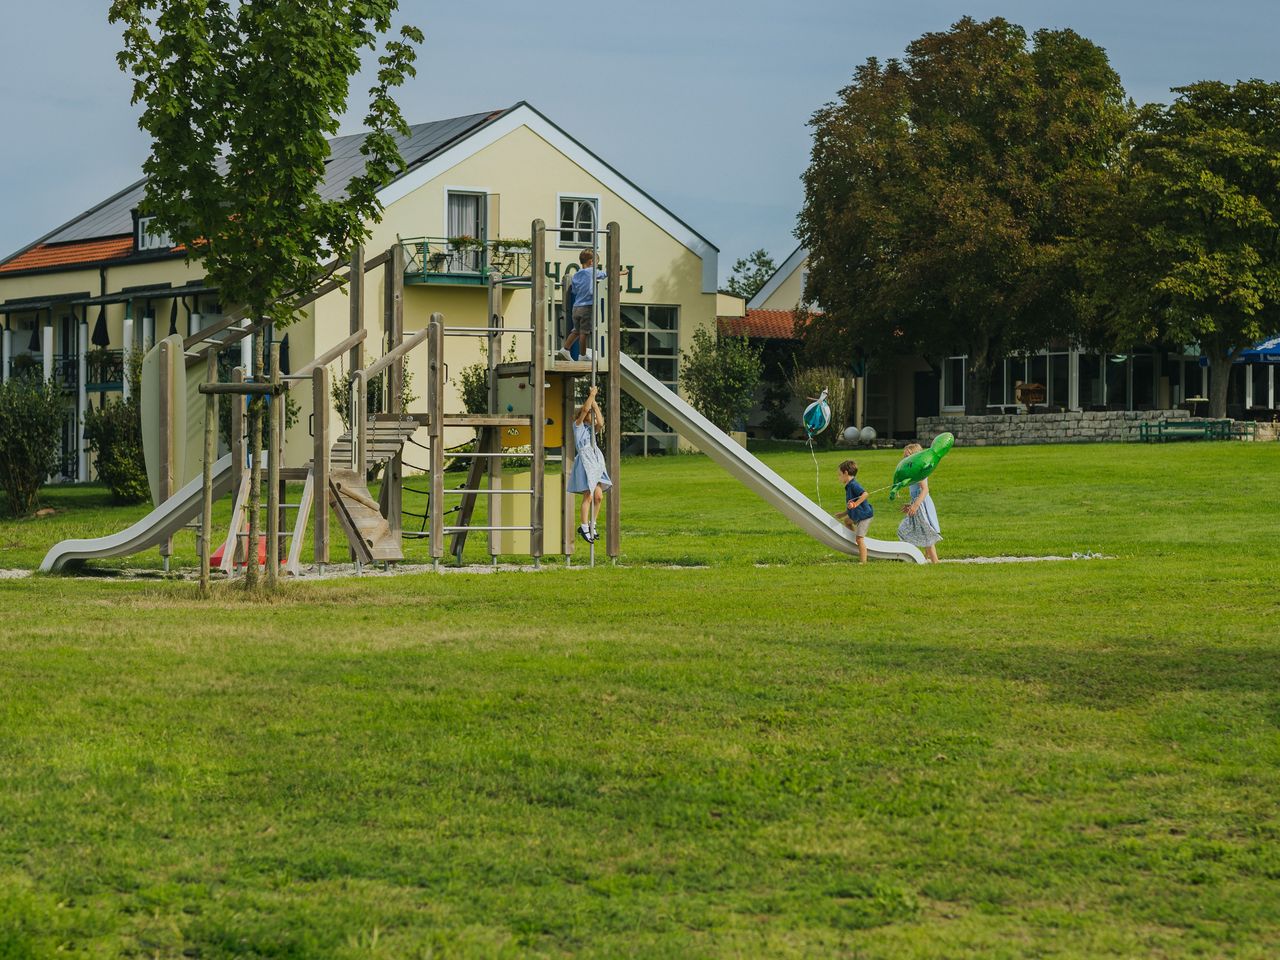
(152, 530)
(775, 491)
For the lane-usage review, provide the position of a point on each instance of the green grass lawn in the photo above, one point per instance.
(735, 744)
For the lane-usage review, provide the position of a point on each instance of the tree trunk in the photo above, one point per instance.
(1219, 381)
(978, 385)
(255, 472)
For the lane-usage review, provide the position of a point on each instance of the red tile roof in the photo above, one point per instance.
(766, 324)
(67, 254)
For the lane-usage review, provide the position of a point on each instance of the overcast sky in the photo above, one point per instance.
(703, 103)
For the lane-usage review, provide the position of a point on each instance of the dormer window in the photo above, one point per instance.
(148, 236)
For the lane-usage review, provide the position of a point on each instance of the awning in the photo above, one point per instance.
(1268, 351)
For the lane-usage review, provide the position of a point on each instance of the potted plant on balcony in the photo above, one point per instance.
(464, 253)
(504, 254)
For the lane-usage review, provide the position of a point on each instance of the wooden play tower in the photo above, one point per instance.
(335, 474)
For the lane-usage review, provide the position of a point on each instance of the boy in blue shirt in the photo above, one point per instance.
(581, 288)
(858, 512)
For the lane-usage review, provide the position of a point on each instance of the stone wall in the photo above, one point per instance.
(1002, 430)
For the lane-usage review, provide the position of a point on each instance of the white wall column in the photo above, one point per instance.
(1248, 386)
(1204, 381)
(46, 350)
(6, 354)
(148, 330)
(127, 350)
(1271, 386)
(246, 351)
(82, 399)
(1073, 379)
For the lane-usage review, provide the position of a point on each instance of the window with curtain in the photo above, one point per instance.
(466, 219)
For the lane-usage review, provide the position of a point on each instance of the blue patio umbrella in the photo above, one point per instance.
(1268, 351)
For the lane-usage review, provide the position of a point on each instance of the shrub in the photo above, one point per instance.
(375, 390)
(31, 416)
(721, 374)
(114, 435)
(473, 382)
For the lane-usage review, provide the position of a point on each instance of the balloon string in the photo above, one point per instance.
(817, 482)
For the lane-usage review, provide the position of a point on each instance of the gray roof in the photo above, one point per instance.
(114, 216)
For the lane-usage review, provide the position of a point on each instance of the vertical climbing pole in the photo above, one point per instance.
(492, 436)
(567, 451)
(538, 376)
(393, 321)
(320, 465)
(435, 416)
(613, 455)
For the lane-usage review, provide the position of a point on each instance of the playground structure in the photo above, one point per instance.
(179, 371)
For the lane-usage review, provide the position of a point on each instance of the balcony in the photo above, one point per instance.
(105, 370)
(463, 261)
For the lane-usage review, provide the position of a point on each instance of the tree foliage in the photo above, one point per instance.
(31, 415)
(947, 193)
(721, 374)
(239, 98)
(750, 273)
(1205, 216)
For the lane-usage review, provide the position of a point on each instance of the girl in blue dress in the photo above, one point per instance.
(920, 526)
(589, 476)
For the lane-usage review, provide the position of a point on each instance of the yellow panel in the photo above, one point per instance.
(514, 512)
(514, 397)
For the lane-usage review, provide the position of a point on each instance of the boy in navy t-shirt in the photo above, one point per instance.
(857, 513)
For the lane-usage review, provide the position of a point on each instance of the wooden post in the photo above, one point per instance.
(435, 414)
(166, 446)
(538, 371)
(568, 531)
(274, 444)
(320, 464)
(613, 427)
(210, 453)
(355, 293)
(394, 324)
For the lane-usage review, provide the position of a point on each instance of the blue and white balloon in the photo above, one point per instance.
(817, 416)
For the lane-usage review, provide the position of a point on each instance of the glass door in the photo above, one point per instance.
(466, 232)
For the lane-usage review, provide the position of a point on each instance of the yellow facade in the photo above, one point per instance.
(522, 174)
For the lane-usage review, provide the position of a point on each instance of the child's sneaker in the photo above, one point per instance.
(564, 354)
(585, 532)
(594, 536)
(586, 355)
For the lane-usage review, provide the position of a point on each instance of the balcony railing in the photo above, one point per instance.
(460, 260)
(105, 370)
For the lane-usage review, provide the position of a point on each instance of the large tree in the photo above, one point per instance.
(239, 98)
(750, 273)
(1206, 207)
(946, 193)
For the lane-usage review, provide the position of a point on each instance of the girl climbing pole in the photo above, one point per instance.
(589, 477)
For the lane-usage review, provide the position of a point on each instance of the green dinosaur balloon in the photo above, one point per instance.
(919, 465)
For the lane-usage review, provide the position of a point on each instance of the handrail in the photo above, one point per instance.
(329, 355)
(388, 358)
(235, 316)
